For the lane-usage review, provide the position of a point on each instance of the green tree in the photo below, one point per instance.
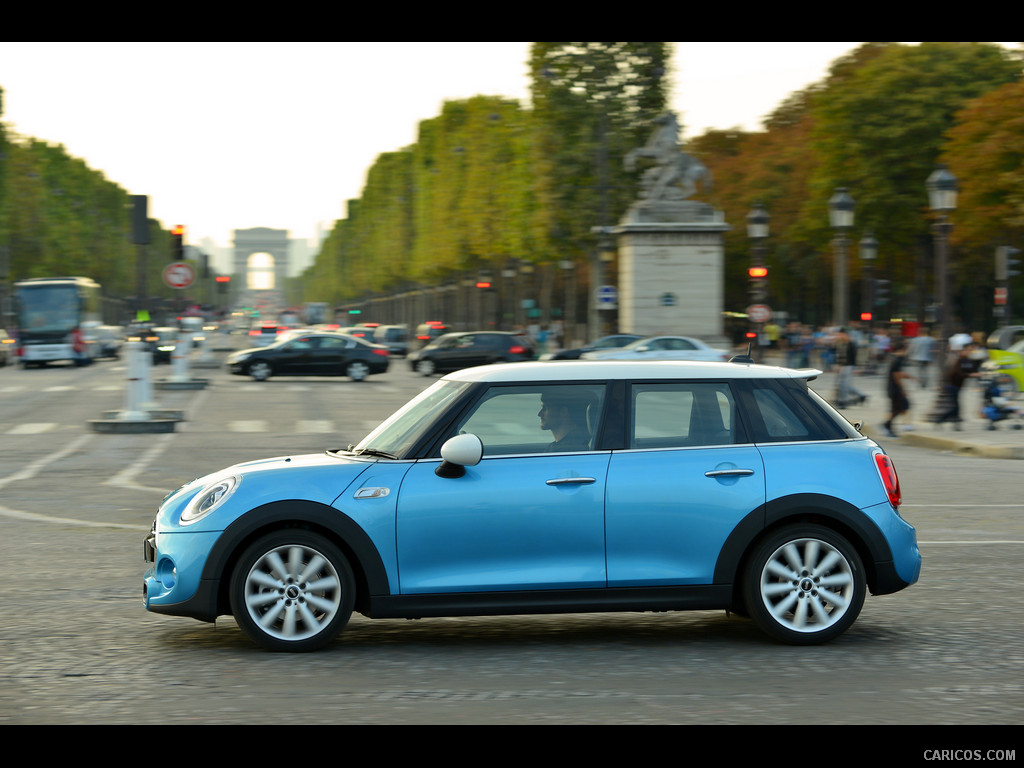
(985, 151)
(879, 123)
(593, 103)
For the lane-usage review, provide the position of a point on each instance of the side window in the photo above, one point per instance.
(780, 422)
(555, 418)
(682, 414)
(787, 410)
(333, 344)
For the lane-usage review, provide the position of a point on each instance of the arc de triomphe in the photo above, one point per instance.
(249, 242)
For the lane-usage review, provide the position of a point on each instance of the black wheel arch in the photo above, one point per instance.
(367, 565)
(841, 516)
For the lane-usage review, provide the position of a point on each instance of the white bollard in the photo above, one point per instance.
(179, 360)
(148, 401)
(135, 385)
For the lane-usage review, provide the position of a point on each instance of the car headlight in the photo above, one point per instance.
(208, 499)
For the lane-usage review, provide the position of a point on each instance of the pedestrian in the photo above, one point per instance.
(899, 403)
(846, 360)
(966, 364)
(919, 353)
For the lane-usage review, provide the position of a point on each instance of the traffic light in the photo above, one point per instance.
(758, 283)
(222, 283)
(178, 242)
(1012, 264)
(882, 291)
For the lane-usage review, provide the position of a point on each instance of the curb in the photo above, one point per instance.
(942, 443)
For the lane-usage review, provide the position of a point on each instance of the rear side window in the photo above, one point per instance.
(783, 411)
(682, 414)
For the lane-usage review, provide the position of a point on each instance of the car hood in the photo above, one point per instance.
(320, 478)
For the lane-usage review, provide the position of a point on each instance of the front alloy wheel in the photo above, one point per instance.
(260, 371)
(426, 367)
(357, 371)
(292, 591)
(805, 585)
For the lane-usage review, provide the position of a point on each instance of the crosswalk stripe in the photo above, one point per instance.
(32, 428)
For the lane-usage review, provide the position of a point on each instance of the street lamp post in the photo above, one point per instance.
(868, 254)
(942, 190)
(757, 231)
(840, 214)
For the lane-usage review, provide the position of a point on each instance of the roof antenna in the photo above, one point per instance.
(747, 358)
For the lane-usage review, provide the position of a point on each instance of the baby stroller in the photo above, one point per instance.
(998, 405)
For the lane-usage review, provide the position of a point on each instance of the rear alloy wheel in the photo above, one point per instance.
(292, 591)
(805, 585)
(357, 371)
(426, 367)
(260, 371)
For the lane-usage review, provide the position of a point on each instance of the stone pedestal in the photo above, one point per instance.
(671, 270)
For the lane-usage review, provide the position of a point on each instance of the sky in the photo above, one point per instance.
(225, 136)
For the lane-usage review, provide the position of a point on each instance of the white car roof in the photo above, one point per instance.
(578, 370)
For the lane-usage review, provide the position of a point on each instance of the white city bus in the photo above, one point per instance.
(53, 317)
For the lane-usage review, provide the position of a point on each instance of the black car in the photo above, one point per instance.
(161, 342)
(605, 342)
(311, 354)
(455, 351)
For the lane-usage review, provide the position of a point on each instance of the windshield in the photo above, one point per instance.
(403, 429)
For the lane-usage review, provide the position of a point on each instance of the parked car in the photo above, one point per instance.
(688, 486)
(265, 334)
(394, 337)
(662, 348)
(615, 341)
(428, 331)
(109, 339)
(161, 342)
(455, 351)
(358, 331)
(7, 347)
(1005, 337)
(312, 354)
(1007, 367)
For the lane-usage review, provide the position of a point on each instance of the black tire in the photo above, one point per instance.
(292, 590)
(426, 367)
(357, 370)
(804, 585)
(260, 370)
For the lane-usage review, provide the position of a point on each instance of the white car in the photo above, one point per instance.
(662, 348)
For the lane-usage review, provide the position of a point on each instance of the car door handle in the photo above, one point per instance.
(572, 481)
(728, 472)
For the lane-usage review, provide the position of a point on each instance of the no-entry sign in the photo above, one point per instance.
(179, 274)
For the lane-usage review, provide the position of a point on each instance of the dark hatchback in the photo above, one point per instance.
(455, 351)
(615, 341)
(312, 354)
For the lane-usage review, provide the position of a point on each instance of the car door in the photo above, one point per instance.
(331, 355)
(294, 358)
(687, 477)
(526, 517)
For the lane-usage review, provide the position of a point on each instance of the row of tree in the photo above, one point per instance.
(490, 181)
(58, 217)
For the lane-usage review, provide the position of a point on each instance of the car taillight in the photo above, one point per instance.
(381, 352)
(515, 349)
(891, 483)
(255, 333)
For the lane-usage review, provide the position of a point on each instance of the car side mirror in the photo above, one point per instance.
(458, 453)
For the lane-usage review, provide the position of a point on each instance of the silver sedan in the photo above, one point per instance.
(662, 348)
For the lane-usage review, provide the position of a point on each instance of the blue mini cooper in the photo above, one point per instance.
(552, 488)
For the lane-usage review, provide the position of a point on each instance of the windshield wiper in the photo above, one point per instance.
(370, 452)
